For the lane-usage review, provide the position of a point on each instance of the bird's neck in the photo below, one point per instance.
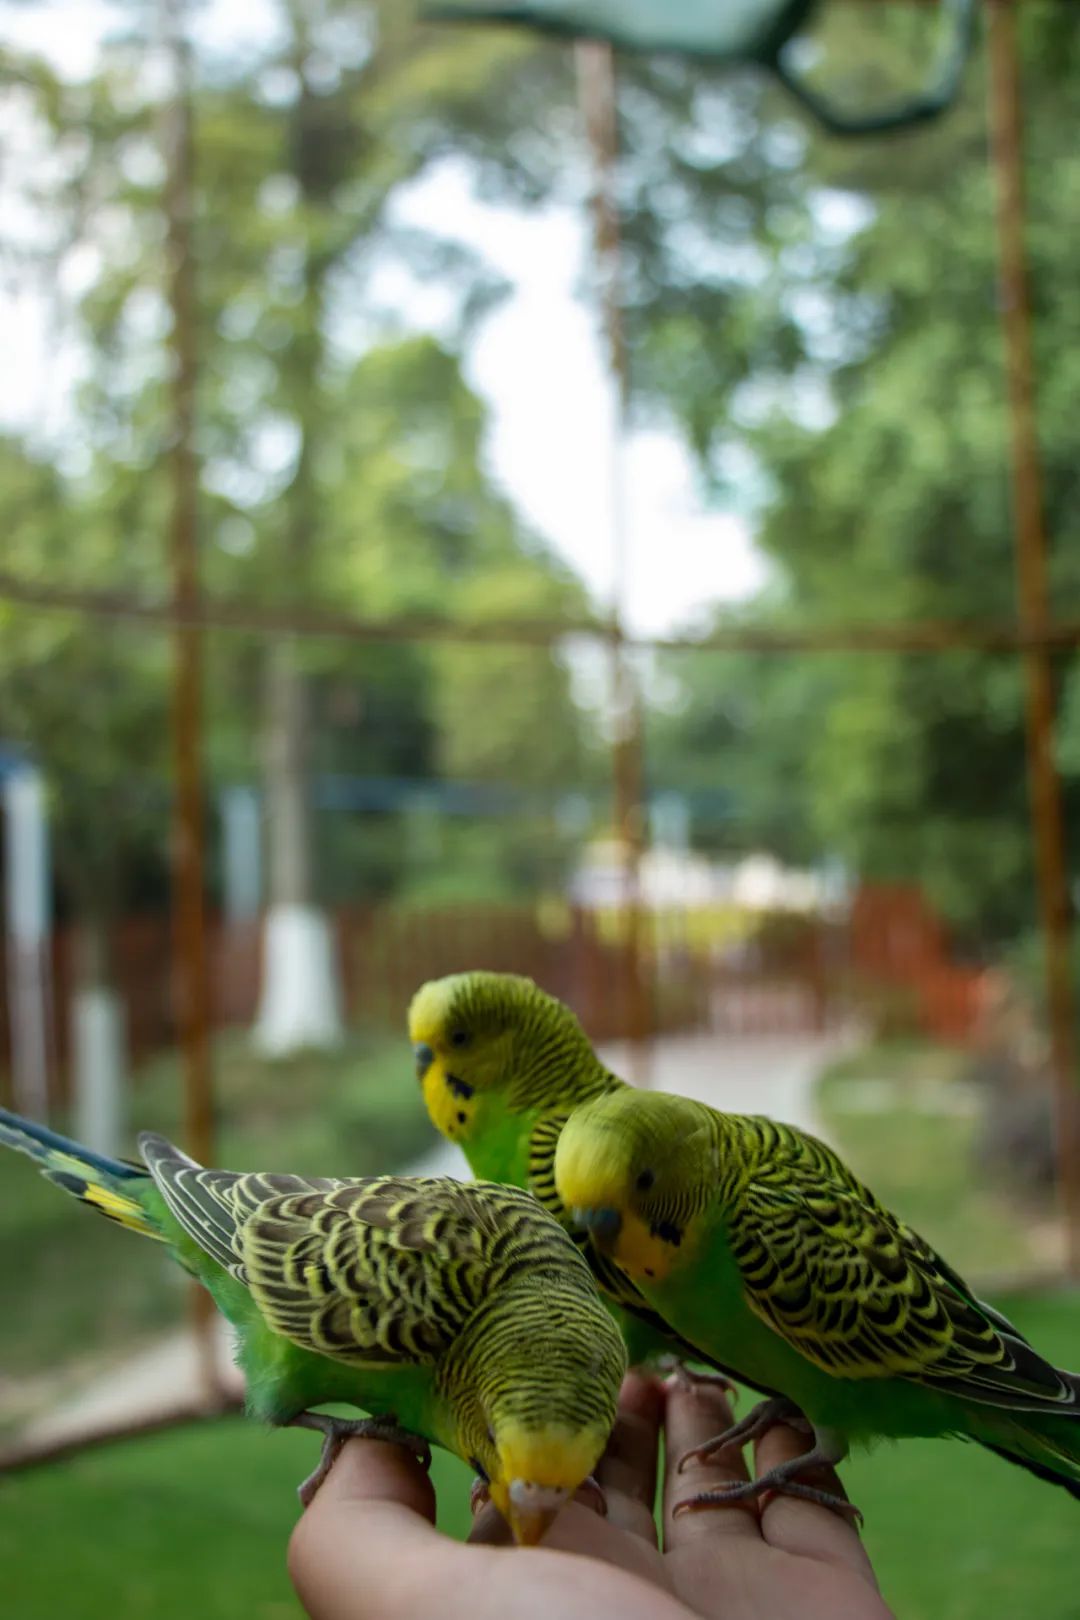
(557, 1072)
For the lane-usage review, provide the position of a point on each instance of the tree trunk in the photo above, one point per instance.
(299, 1003)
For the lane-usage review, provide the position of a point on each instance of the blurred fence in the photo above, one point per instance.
(886, 965)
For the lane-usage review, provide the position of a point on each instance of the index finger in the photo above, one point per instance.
(626, 1472)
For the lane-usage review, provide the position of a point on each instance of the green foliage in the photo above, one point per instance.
(880, 443)
(342, 464)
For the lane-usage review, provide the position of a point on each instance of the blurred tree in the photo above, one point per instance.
(325, 476)
(733, 732)
(883, 472)
(90, 708)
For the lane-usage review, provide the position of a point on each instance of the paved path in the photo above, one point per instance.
(762, 1074)
(758, 1074)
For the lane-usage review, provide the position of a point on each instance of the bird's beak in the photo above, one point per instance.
(532, 1509)
(424, 1056)
(602, 1225)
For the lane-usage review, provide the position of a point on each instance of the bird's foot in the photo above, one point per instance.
(782, 1480)
(336, 1431)
(588, 1492)
(690, 1381)
(765, 1416)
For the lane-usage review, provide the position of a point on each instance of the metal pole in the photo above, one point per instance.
(190, 964)
(597, 98)
(1031, 571)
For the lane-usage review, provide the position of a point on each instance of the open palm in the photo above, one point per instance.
(368, 1547)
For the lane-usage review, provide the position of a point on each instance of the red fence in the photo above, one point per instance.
(888, 964)
(901, 959)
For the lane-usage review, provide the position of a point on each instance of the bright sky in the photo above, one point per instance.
(536, 360)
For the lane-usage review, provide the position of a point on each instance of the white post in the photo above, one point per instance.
(299, 1005)
(241, 854)
(100, 1068)
(26, 870)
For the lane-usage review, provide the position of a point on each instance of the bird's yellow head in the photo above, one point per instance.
(636, 1168)
(541, 1400)
(485, 1040)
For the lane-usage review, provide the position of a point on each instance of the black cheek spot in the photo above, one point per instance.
(668, 1232)
(462, 1117)
(459, 1088)
(649, 1272)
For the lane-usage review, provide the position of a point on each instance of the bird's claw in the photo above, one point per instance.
(742, 1493)
(783, 1480)
(591, 1495)
(765, 1415)
(691, 1381)
(336, 1431)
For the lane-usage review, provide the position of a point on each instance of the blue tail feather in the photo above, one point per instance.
(26, 1134)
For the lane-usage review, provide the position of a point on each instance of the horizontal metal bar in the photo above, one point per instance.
(28, 1454)
(239, 615)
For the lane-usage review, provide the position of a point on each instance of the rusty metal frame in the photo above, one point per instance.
(1031, 546)
(191, 971)
(1035, 636)
(248, 616)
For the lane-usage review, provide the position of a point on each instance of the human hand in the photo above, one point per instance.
(367, 1548)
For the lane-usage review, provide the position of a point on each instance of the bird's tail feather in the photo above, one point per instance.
(1043, 1470)
(107, 1185)
(1048, 1447)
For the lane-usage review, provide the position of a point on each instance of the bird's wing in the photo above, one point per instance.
(380, 1272)
(861, 1295)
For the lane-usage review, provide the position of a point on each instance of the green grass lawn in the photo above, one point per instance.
(76, 1288)
(918, 1156)
(190, 1522)
(195, 1522)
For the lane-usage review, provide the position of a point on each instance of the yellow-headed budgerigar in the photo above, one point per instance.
(757, 1244)
(503, 1065)
(460, 1315)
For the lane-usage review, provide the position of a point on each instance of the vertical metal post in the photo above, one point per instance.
(1006, 131)
(190, 965)
(597, 98)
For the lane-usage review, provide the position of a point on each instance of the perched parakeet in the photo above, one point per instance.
(461, 1315)
(503, 1065)
(756, 1242)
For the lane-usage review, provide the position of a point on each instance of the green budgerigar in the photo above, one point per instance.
(456, 1314)
(503, 1065)
(758, 1245)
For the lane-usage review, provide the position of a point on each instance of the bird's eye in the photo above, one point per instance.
(645, 1180)
(459, 1037)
